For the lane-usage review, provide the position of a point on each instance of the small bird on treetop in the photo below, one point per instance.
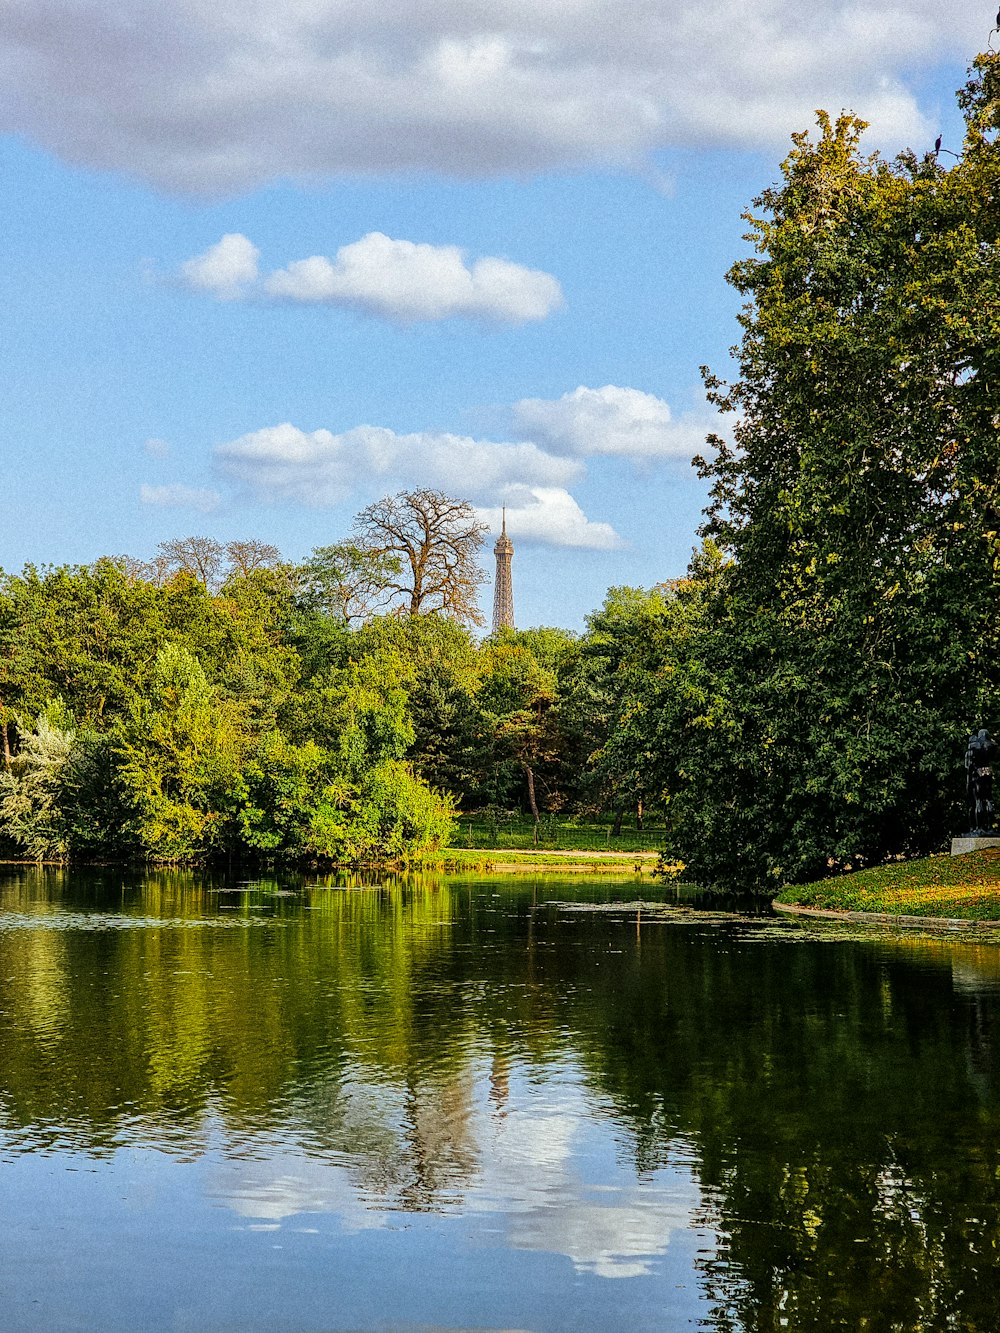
(937, 144)
(998, 18)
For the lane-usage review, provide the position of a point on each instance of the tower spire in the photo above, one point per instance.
(503, 588)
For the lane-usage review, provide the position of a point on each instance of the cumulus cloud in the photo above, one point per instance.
(550, 515)
(226, 269)
(157, 448)
(400, 280)
(621, 423)
(317, 468)
(221, 95)
(180, 497)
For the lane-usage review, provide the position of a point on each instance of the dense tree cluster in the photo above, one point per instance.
(804, 699)
(212, 707)
(216, 702)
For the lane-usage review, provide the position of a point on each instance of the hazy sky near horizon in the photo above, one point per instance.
(268, 262)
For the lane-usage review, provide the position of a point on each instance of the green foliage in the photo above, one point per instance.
(347, 581)
(515, 694)
(179, 753)
(31, 815)
(605, 694)
(814, 717)
(390, 814)
(795, 705)
(283, 785)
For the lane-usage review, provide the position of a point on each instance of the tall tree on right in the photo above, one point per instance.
(855, 636)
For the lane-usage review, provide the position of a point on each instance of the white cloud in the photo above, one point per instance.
(180, 497)
(226, 269)
(550, 515)
(405, 280)
(622, 423)
(317, 468)
(157, 448)
(221, 95)
(399, 280)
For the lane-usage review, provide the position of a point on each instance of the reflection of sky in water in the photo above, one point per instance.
(442, 1206)
(538, 1163)
(447, 1108)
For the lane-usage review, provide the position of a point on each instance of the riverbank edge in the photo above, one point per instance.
(485, 860)
(885, 919)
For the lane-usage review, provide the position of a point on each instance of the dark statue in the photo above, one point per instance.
(980, 754)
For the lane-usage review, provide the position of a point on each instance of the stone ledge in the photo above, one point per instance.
(973, 843)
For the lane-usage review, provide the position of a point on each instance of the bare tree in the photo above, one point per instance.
(209, 561)
(247, 556)
(156, 571)
(414, 552)
(201, 557)
(135, 570)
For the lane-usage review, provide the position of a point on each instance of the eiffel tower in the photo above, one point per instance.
(503, 588)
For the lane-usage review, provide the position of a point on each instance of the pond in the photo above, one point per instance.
(485, 1103)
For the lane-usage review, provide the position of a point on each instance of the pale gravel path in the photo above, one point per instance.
(547, 851)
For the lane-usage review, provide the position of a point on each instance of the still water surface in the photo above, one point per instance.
(469, 1103)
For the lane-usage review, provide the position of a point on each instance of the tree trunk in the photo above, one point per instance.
(616, 828)
(6, 745)
(638, 814)
(533, 804)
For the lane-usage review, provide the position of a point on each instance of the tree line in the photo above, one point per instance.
(218, 701)
(794, 706)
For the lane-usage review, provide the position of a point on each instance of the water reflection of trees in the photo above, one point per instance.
(839, 1100)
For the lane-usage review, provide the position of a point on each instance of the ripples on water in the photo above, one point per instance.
(470, 1103)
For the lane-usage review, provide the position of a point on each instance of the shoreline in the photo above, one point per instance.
(886, 918)
(487, 860)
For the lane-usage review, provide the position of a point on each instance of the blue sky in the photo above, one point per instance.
(265, 264)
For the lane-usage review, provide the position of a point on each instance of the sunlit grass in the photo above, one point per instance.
(480, 859)
(948, 886)
(510, 832)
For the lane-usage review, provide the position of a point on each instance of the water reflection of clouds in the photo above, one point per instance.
(543, 1175)
(545, 1161)
(288, 1184)
(616, 1240)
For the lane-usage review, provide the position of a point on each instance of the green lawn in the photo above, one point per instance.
(954, 886)
(554, 834)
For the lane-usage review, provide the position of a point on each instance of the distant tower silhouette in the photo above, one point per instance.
(503, 588)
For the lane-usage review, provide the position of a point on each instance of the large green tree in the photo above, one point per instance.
(819, 716)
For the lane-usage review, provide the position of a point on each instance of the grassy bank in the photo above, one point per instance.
(573, 860)
(966, 887)
(515, 832)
